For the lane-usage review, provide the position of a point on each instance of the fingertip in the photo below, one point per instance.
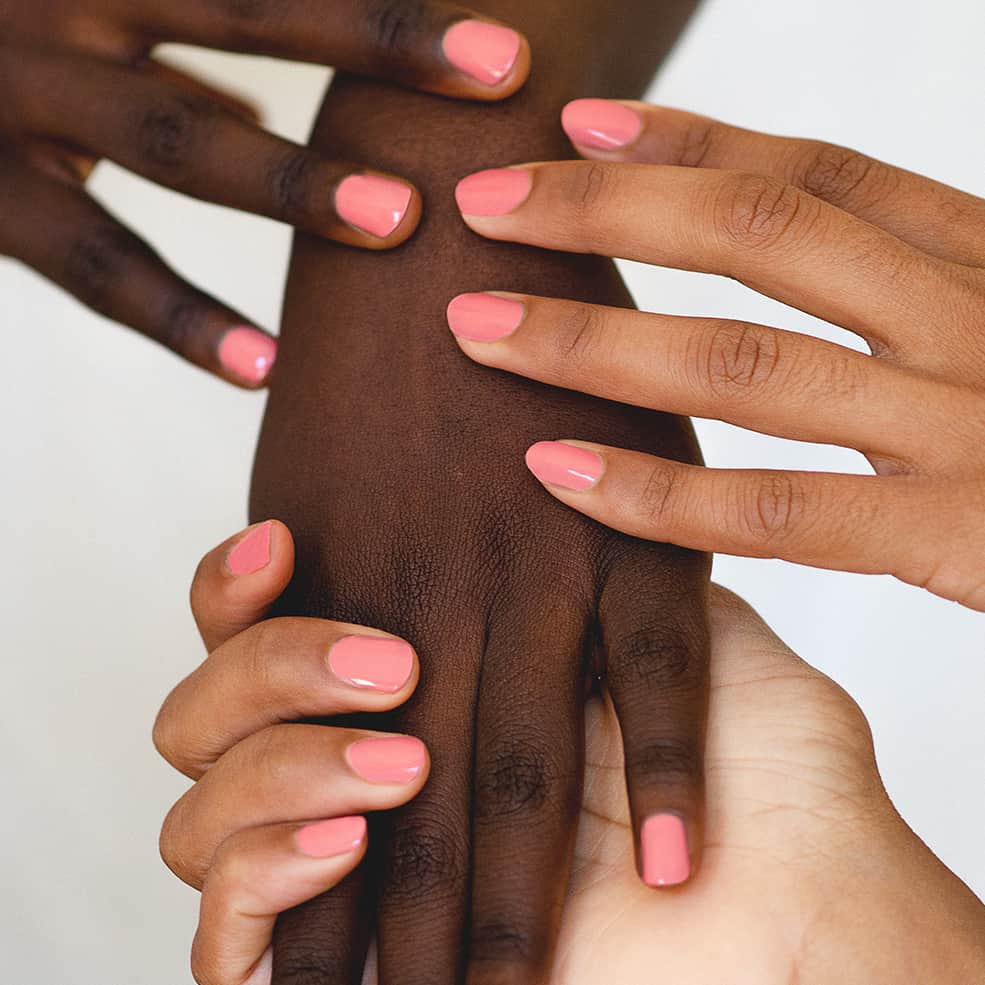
(381, 664)
(666, 858)
(246, 356)
(601, 125)
(490, 60)
(376, 211)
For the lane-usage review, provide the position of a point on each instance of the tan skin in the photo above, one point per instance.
(810, 875)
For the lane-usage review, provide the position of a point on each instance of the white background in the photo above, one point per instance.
(120, 466)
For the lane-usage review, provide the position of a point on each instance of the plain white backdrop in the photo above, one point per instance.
(121, 466)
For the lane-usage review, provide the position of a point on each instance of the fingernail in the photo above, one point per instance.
(666, 860)
(372, 662)
(484, 317)
(496, 192)
(393, 759)
(248, 354)
(564, 465)
(252, 553)
(485, 51)
(600, 123)
(326, 839)
(374, 205)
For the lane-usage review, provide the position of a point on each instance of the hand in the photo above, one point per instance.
(893, 257)
(78, 87)
(274, 816)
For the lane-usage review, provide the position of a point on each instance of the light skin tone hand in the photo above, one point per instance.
(83, 87)
(810, 875)
(890, 256)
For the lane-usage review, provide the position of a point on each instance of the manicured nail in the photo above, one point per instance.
(600, 123)
(374, 205)
(248, 354)
(372, 662)
(252, 553)
(326, 839)
(666, 860)
(393, 759)
(485, 51)
(484, 317)
(496, 192)
(564, 465)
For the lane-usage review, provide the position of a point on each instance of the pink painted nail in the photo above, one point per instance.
(393, 759)
(666, 860)
(252, 553)
(564, 465)
(248, 354)
(484, 317)
(600, 123)
(326, 839)
(374, 205)
(485, 51)
(496, 192)
(372, 662)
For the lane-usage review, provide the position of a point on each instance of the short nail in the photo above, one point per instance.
(485, 51)
(374, 205)
(666, 859)
(496, 192)
(252, 553)
(326, 839)
(372, 662)
(564, 465)
(600, 123)
(484, 317)
(248, 353)
(392, 759)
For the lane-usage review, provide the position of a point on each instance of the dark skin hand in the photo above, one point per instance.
(399, 466)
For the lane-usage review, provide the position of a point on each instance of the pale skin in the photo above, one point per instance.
(810, 875)
(893, 257)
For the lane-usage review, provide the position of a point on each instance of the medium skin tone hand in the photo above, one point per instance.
(83, 87)
(810, 875)
(893, 257)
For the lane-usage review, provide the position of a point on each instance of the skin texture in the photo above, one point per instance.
(896, 258)
(398, 464)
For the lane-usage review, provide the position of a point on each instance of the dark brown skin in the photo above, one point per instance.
(399, 466)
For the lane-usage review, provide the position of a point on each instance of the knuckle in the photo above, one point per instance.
(659, 493)
(588, 187)
(777, 506)
(738, 359)
(174, 849)
(518, 778)
(394, 24)
(172, 128)
(697, 140)
(97, 263)
(755, 211)
(302, 962)
(504, 942)
(164, 736)
(181, 320)
(579, 330)
(655, 654)
(665, 758)
(273, 756)
(290, 183)
(839, 175)
(427, 858)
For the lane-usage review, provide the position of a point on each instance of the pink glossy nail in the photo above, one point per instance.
(393, 759)
(327, 839)
(252, 553)
(496, 192)
(485, 51)
(374, 205)
(666, 859)
(372, 662)
(248, 354)
(564, 465)
(600, 123)
(484, 317)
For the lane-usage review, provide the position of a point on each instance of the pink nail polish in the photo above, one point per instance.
(327, 839)
(374, 205)
(496, 192)
(484, 317)
(393, 759)
(600, 123)
(485, 51)
(372, 662)
(248, 354)
(564, 465)
(252, 553)
(666, 859)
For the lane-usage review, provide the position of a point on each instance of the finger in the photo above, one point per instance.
(285, 773)
(68, 238)
(657, 671)
(237, 104)
(187, 142)
(771, 236)
(281, 670)
(258, 873)
(528, 768)
(434, 46)
(927, 214)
